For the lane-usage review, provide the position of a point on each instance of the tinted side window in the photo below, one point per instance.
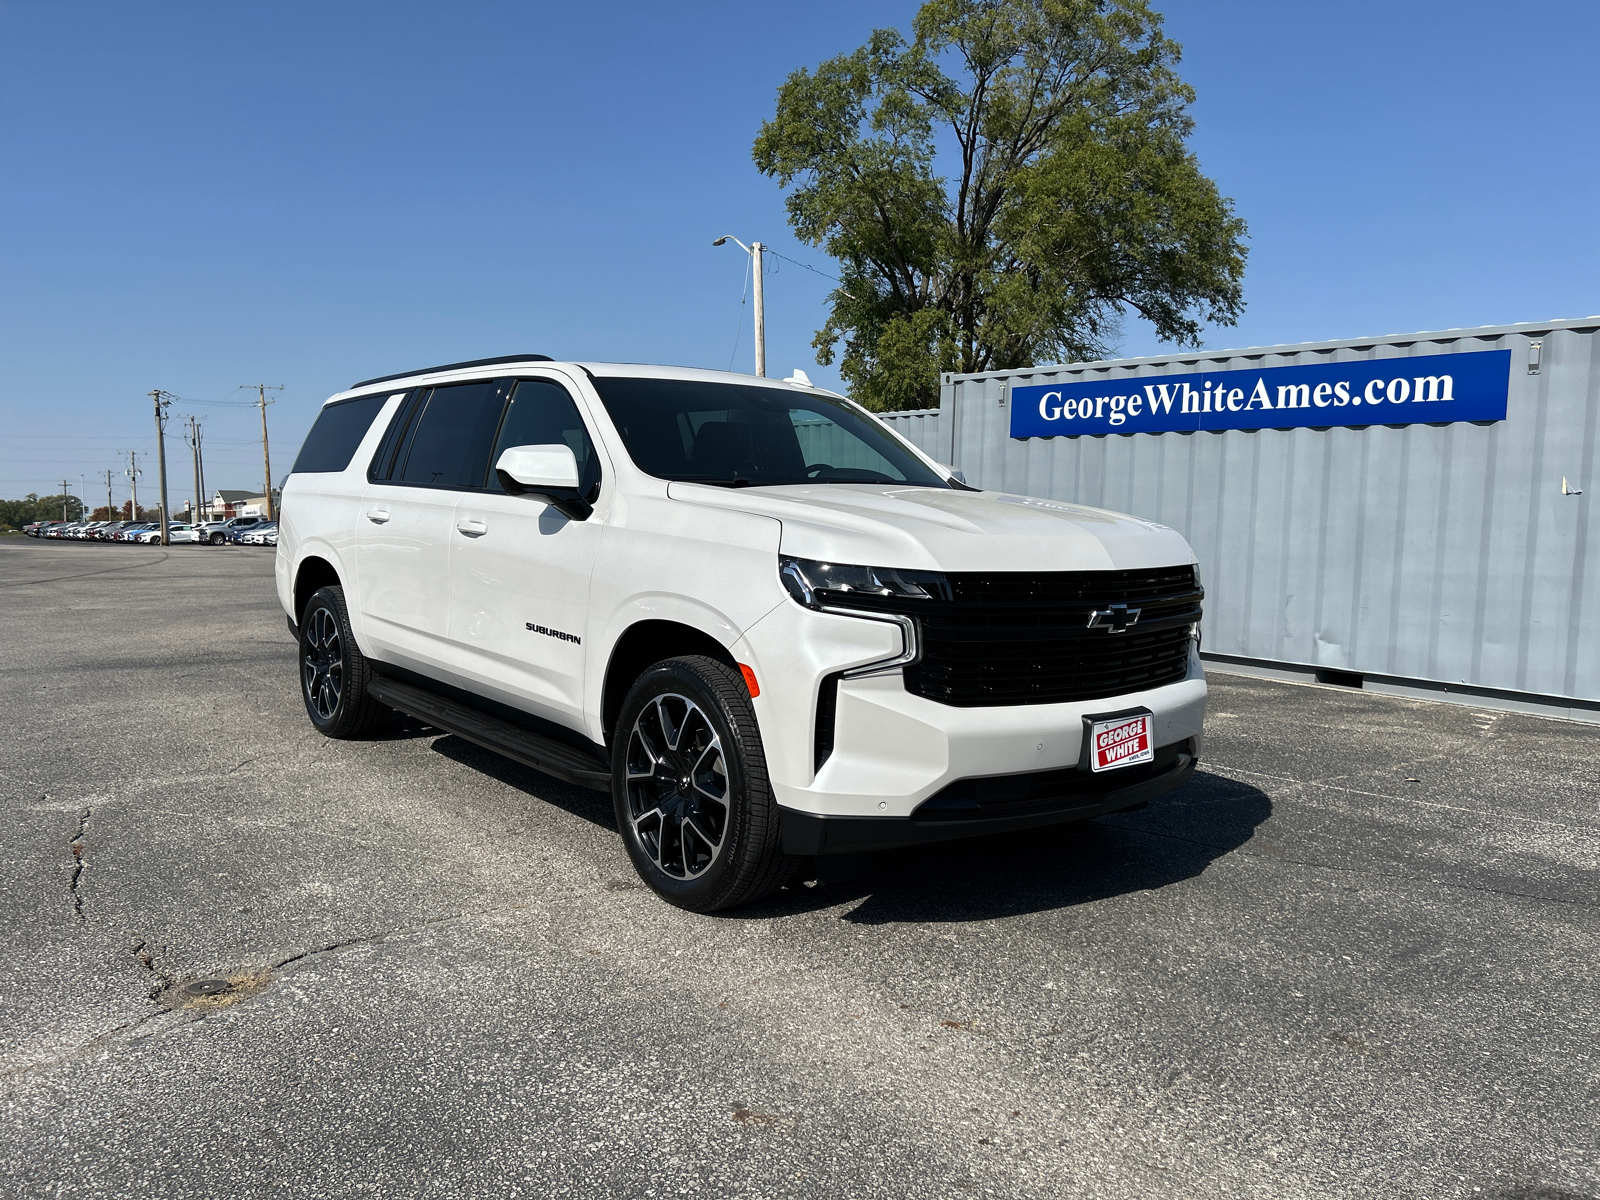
(383, 458)
(452, 436)
(541, 413)
(336, 433)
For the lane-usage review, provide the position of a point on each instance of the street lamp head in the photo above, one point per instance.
(721, 241)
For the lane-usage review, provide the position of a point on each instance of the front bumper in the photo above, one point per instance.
(811, 834)
(885, 751)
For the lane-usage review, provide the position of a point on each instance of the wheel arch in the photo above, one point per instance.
(313, 573)
(644, 643)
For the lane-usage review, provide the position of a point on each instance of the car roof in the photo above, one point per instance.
(494, 368)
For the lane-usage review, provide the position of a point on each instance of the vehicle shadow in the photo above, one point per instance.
(975, 879)
(1174, 839)
(402, 727)
(579, 801)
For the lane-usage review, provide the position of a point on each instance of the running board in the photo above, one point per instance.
(530, 749)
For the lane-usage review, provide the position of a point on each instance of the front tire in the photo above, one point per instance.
(334, 672)
(689, 784)
(217, 539)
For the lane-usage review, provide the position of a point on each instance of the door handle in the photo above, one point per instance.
(377, 515)
(472, 528)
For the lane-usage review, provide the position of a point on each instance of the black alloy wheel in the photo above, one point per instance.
(334, 672)
(677, 786)
(689, 784)
(323, 664)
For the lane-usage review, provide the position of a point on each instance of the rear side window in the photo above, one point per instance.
(336, 433)
(452, 436)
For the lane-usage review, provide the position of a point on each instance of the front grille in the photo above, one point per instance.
(1015, 637)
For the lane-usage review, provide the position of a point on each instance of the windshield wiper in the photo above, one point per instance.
(730, 483)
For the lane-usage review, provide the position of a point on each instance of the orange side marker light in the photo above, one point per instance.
(750, 680)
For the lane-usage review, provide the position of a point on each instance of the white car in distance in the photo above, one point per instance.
(767, 625)
(176, 534)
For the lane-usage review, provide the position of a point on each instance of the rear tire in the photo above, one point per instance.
(334, 672)
(689, 783)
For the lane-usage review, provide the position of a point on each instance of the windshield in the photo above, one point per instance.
(744, 435)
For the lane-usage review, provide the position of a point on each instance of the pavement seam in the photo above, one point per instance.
(1228, 851)
(87, 574)
(372, 938)
(1228, 771)
(94, 1043)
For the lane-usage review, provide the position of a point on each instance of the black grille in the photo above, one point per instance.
(1024, 637)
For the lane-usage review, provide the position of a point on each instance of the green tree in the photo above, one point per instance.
(1071, 195)
(14, 514)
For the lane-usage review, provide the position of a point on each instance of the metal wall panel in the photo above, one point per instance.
(1445, 553)
(921, 427)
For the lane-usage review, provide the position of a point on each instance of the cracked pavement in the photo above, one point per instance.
(1356, 957)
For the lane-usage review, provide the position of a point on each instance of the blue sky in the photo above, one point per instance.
(196, 196)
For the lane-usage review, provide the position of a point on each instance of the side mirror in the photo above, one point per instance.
(549, 472)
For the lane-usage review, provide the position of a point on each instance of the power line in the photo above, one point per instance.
(739, 328)
(807, 267)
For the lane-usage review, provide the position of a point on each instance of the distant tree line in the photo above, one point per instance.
(14, 514)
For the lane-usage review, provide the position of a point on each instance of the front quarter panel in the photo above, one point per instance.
(713, 570)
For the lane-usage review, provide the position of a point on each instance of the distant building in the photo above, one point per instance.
(226, 503)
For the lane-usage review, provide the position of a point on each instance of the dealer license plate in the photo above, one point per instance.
(1120, 742)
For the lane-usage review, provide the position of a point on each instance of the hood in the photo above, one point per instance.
(885, 525)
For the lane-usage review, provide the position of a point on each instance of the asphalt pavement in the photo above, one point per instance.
(1357, 956)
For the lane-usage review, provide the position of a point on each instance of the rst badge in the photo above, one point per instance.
(1120, 741)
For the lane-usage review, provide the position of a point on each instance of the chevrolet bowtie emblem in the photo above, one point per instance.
(1118, 618)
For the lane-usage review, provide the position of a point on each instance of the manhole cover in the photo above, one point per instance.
(205, 987)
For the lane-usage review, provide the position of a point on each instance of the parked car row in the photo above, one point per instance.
(237, 530)
(105, 531)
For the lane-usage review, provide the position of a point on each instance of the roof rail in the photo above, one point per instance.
(477, 362)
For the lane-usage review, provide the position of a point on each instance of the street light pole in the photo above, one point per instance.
(755, 250)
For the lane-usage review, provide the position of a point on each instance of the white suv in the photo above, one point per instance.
(770, 627)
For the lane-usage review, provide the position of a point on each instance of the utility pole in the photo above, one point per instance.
(266, 458)
(133, 474)
(110, 516)
(755, 250)
(193, 438)
(63, 499)
(162, 401)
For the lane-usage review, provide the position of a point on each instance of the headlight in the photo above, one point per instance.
(824, 585)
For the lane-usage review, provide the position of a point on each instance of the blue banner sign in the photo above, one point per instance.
(1383, 391)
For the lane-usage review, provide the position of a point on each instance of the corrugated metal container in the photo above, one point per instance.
(1441, 553)
(923, 428)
